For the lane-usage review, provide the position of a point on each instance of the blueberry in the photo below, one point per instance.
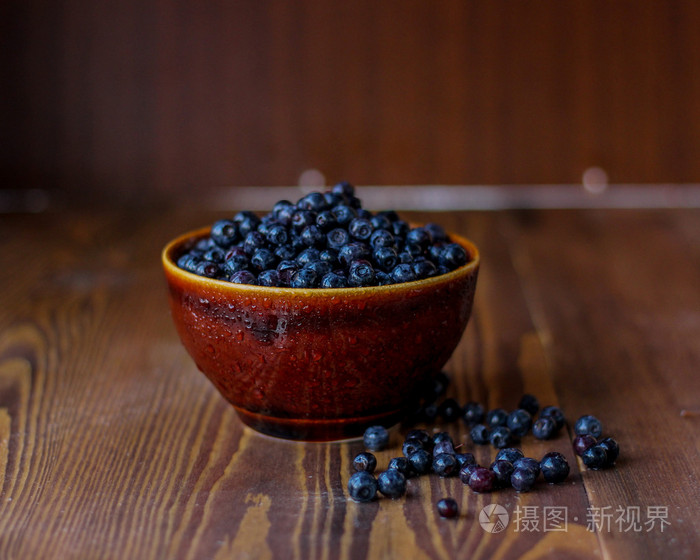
(247, 222)
(473, 413)
(403, 465)
(496, 417)
(420, 237)
(208, 269)
(283, 211)
(314, 201)
(519, 422)
(263, 259)
(382, 278)
(360, 229)
(554, 467)
(344, 214)
(466, 471)
(243, 277)
(188, 262)
(544, 428)
(420, 461)
(333, 199)
(510, 454)
(437, 386)
(479, 434)
(453, 256)
(424, 269)
(403, 273)
(330, 256)
(353, 251)
(361, 274)
(502, 469)
(381, 221)
(234, 263)
(442, 447)
(215, 254)
(445, 464)
(530, 403)
(528, 463)
(364, 461)
(400, 228)
(390, 215)
(312, 236)
(381, 238)
(523, 479)
(343, 188)
(376, 438)
(588, 424)
(386, 258)
(225, 233)
(447, 508)
(501, 437)
(285, 252)
(333, 280)
(362, 487)
(326, 221)
(422, 436)
(277, 235)
(254, 240)
(337, 238)
(464, 459)
(449, 410)
(482, 480)
(286, 271)
(411, 445)
(581, 443)
(308, 256)
(612, 450)
(304, 278)
(595, 457)
(437, 233)
(269, 278)
(303, 218)
(555, 414)
(392, 483)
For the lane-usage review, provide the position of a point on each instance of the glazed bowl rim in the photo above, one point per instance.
(224, 286)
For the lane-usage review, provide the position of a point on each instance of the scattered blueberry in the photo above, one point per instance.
(581, 443)
(392, 483)
(473, 413)
(588, 424)
(420, 461)
(612, 450)
(530, 403)
(555, 414)
(362, 487)
(448, 508)
(496, 417)
(464, 459)
(364, 461)
(519, 422)
(554, 467)
(445, 465)
(449, 410)
(466, 472)
(544, 428)
(528, 463)
(376, 438)
(595, 457)
(403, 465)
(523, 479)
(502, 469)
(479, 434)
(482, 480)
(510, 454)
(501, 437)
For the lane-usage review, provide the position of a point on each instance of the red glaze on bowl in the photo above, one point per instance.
(319, 364)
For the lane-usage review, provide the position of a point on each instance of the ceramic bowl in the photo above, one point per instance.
(319, 364)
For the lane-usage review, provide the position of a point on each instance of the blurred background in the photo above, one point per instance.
(143, 99)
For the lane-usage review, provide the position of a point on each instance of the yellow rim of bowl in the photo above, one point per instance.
(223, 285)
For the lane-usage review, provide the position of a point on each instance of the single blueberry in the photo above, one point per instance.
(510, 454)
(385, 258)
(254, 240)
(530, 403)
(234, 263)
(353, 251)
(449, 410)
(421, 461)
(479, 434)
(528, 463)
(447, 508)
(437, 233)
(376, 438)
(208, 269)
(304, 278)
(364, 461)
(361, 274)
(333, 280)
(403, 273)
(424, 269)
(420, 237)
(314, 201)
(381, 221)
(523, 479)
(330, 256)
(392, 483)
(411, 445)
(321, 268)
(554, 467)
(225, 233)
(308, 256)
(496, 417)
(544, 428)
(453, 256)
(519, 422)
(400, 228)
(442, 447)
(269, 278)
(501, 437)
(467, 470)
(344, 214)
(263, 259)
(243, 277)
(588, 424)
(403, 465)
(381, 238)
(362, 487)
(473, 413)
(612, 450)
(382, 278)
(326, 221)
(422, 436)
(215, 254)
(343, 188)
(337, 238)
(464, 459)
(555, 414)
(581, 443)
(360, 229)
(482, 480)
(303, 218)
(445, 464)
(312, 236)
(247, 221)
(285, 252)
(595, 457)
(503, 470)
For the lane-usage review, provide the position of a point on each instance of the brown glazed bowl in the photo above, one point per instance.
(319, 364)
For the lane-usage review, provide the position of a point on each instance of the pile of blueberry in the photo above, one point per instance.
(424, 453)
(325, 240)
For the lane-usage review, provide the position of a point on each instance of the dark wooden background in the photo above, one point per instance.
(137, 96)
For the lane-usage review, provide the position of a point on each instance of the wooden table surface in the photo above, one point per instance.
(113, 445)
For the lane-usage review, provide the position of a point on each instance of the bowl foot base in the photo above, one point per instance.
(317, 429)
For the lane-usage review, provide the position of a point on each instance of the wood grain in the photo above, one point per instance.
(112, 445)
(137, 98)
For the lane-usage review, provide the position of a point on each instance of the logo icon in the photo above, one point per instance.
(493, 518)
